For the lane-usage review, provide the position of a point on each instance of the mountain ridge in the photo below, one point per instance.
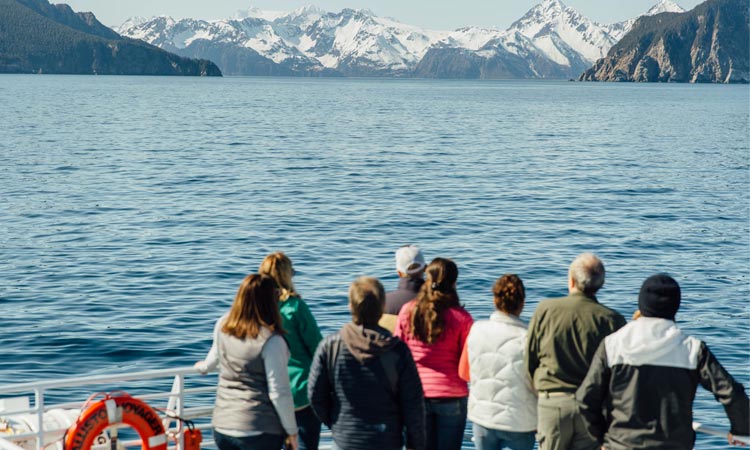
(37, 37)
(706, 45)
(309, 41)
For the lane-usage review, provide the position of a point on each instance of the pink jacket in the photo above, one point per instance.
(437, 363)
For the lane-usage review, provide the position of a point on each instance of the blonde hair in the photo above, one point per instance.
(255, 306)
(366, 301)
(279, 267)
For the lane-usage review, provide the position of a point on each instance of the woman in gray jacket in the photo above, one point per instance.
(254, 407)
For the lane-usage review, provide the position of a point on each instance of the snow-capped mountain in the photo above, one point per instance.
(665, 6)
(620, 29)
(357, 42)
(351, 42)
(562, 33)
(550, 40)
(471, 38)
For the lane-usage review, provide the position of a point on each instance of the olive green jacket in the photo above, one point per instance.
(563, 336)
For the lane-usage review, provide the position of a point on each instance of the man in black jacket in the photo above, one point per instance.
(364, 384)
(410, 266)
(640, 387)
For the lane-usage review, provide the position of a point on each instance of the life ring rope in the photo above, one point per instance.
(112, 410)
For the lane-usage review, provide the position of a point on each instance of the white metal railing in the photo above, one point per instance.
(175, 401)
(176, 404)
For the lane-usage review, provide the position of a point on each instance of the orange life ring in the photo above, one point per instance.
(113, 410)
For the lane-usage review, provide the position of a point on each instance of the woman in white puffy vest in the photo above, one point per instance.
(502, 403)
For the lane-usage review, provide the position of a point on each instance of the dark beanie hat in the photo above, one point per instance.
(659, 297)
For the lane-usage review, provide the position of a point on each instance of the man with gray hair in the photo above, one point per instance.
(563, 336)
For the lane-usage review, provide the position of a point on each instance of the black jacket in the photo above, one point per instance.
(372, 392)
(407, 290)
(640, 388)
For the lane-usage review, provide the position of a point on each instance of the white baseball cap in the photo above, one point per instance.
(409, 259)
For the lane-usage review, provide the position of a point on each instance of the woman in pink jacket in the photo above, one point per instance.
(435, 327)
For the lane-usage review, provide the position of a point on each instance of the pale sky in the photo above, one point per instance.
(431, 14)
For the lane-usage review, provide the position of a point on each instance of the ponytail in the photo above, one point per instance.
(437, 294)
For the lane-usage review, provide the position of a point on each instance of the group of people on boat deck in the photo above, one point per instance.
(577, 377)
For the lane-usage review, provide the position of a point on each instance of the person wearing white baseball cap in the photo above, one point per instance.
(410, 266)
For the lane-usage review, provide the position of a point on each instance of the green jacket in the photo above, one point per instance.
(302, 336)
(563, 336)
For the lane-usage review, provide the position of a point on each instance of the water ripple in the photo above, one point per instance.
(127, 227)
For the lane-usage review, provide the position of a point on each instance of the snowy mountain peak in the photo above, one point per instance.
(556, 30)
(665, 6)
(134, 22)
(359, 13)
(556, 4)
(545, 10)
(307, 10)
(550, 40)
(620, 29)
(257, 13)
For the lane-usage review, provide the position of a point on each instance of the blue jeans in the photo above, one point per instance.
(309, 429)
(489, 439)
(263, 441)
(445, 422)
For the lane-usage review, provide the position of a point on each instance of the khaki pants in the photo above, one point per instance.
(559, 426)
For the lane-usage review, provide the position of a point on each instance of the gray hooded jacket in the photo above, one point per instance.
(364, 385)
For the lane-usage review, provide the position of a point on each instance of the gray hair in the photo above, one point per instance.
(587, 272)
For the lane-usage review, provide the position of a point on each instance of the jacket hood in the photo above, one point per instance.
(652, 341)
(367, 343)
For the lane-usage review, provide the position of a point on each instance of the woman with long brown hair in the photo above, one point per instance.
(303, 337)
(435, 327)
(254, 407)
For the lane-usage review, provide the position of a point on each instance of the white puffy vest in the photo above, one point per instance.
(500, 394)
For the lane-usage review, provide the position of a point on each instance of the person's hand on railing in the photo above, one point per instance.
(733, 441)
(200, 366)
(291, 442)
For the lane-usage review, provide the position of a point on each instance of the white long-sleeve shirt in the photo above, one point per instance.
(275, 356)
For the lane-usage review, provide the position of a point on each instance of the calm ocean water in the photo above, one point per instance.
(132, 207)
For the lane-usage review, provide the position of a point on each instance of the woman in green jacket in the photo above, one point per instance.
(303, 336)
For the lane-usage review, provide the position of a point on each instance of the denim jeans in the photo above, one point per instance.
(263, 441)
(489, 439)
(445, 422)
(309, 429)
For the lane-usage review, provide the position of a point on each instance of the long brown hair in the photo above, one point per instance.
(437, 294)
(255, 306)
(279, 267)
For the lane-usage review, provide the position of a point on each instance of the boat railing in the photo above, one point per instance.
(189, 397)
(138, 384)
